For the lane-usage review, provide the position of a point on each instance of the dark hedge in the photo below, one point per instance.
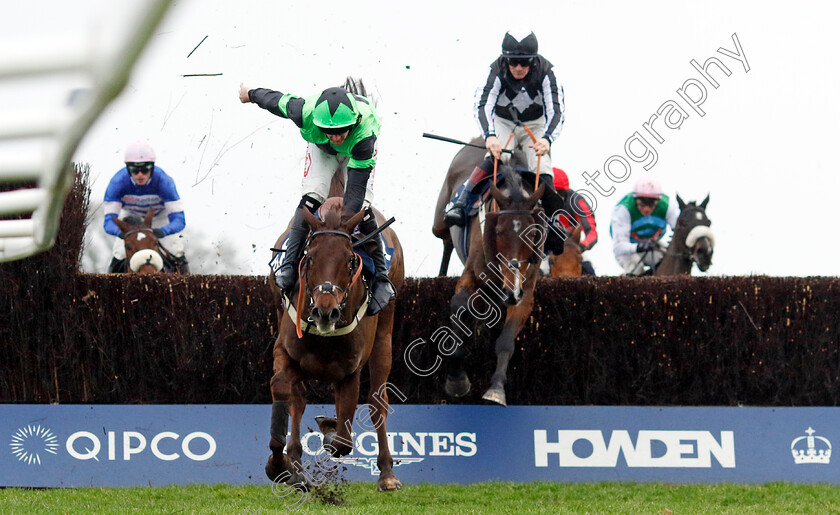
(83, 338)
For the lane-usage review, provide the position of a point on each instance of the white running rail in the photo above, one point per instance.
(49, 165)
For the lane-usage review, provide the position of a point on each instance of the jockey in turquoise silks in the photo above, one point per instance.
(639, 222)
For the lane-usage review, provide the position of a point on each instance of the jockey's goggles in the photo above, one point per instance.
(335, 131)
(647, 201)
(135, 168)
(520, 61)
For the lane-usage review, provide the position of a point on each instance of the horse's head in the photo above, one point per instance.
(141, 244)
(330, 267)
(514, 235)
(693, 227)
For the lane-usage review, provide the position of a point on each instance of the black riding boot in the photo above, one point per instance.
(456, 210)
(287, 275)
(183, 266)
(553, 202)
(381, 289)
(117, 266)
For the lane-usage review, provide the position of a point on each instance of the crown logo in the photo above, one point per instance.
(816, 449)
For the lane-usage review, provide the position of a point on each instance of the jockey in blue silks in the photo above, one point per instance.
(136, 188)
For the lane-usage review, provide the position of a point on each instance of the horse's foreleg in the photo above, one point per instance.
(379, 366)
(278, 467)
(294, 449)
(337, 438)
(505, 345)
(457, 382)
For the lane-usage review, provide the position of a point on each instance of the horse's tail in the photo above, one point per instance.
(356, 86)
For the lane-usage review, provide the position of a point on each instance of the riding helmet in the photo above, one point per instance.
(335, 109)
(647, 187)
(561, 180)
(139, 151)
(518, 43)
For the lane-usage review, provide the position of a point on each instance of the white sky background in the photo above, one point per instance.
(764, 151)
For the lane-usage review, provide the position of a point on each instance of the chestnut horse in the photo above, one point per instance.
(568, 264)
(500, 272)
(692, 242)
(142, 251)
(325, 335)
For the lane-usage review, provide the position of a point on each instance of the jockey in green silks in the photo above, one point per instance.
(638, 223)
(341, 129)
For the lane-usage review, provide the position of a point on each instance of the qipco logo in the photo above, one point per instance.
(197, 446)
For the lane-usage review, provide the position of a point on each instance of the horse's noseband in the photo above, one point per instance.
(329, 288)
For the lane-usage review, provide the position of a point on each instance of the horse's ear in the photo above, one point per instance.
(536, 196)
(681, 202)
(150, 215)
(310, 219)
(122, 224)
(705, 202)
(576, 234)
(354, 220)
(497, 194)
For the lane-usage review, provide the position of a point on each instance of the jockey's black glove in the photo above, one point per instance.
(158, 233)
(646, 246)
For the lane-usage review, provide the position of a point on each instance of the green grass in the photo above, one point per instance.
(496, 497)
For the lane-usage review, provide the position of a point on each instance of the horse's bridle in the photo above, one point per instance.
(326, 288)
(147, 254)
(694, 235)
(701, 230)
(139, 229)
(531, 212)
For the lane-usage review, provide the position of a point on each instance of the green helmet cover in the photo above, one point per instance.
(335, 109)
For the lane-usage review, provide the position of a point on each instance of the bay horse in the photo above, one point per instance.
(142, 250)
(501, 267)
(325, 335)
(692, 242)
(462, 165)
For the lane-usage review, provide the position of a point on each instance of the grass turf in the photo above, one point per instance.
(493, 497)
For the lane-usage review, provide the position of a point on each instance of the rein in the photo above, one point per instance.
(496, 167)
(534, 140)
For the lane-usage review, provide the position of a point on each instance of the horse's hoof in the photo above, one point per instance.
(279, 475)
(458, 387)
(496, 395)
(273, 472)
(389, 484)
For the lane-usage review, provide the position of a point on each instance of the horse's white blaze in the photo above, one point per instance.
(140, 236)
(699, 232)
